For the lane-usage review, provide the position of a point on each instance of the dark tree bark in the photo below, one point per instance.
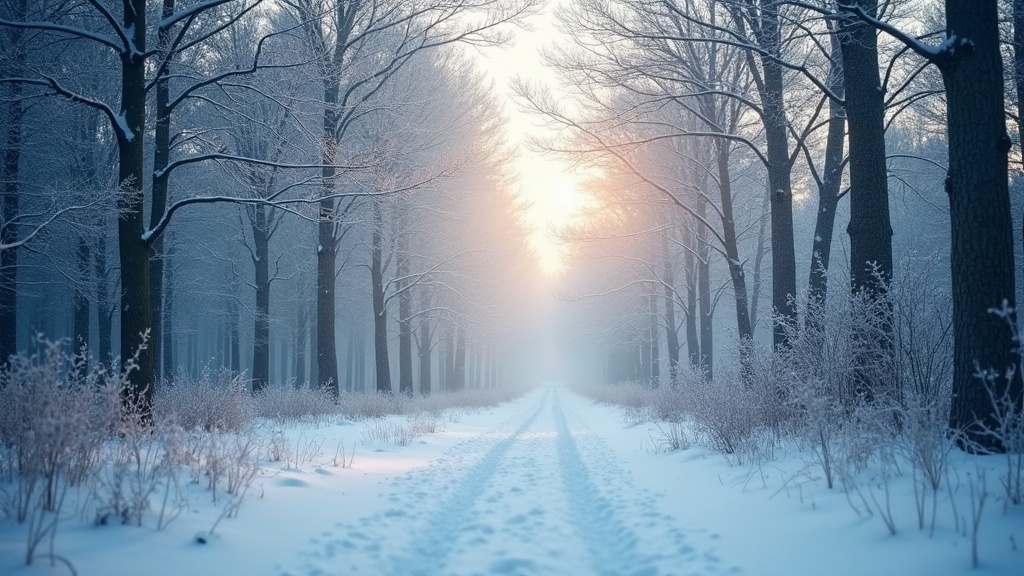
(404, 318)
(692, 340)
(765, 24)
(380, 312)
(161, 156)
(1018, 65)
(261, 326)
(870, 229)
(11, 200)
(672, 332)
(979, 206)
(301, 335)
(448, 363)
(169, 340)
(652, 336)
(80, 304)
(739, 280)
(459, 362)
(828, 190)
(104, 311)
(707, 344)
(136, 309)
(350, 361)
(326, 251)
(9, 232)
(425, 345)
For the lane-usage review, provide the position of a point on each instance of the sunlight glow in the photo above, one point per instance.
(547, 186)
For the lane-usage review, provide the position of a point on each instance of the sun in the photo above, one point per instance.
(554, 201)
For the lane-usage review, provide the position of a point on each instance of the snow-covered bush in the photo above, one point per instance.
(215, 401)
(55, 413)
(287, 403)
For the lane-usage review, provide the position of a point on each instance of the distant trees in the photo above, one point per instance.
(209, 76)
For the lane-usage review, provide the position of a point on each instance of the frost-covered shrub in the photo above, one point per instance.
(283, 403)
(55, 412)
(372, 405)
(214, 401)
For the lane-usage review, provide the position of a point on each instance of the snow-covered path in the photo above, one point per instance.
(538, 494)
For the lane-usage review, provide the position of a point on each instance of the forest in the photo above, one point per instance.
(318, 192)
(785, 219)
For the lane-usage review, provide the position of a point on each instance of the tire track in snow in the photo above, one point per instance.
(612, 546)
(431, 549)
(624, 529)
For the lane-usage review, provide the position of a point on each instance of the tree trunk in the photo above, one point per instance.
(136, 311)
(739, 279)
(9, 232)
(350, 361)
(380, 312)
(1018, 65)
(448, 362)
(767, 30)
(981, 226)
(692, 340)
(459, 365)
(81, 298)
(301, 330)
(104, 311)
(707, 345)
(161, 155)
(671, 329)
(870, 229)
(327, 246)
(653, 338)
(425, 346)
(404, 318)
(261, 327)
(168, 318)
(828, 192)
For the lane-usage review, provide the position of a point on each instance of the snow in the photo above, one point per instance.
(122, 126)
(551, 483)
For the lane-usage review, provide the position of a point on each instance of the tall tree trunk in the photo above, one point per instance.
(767, 30)
(707, 344)
(168, 318)
(261, 327)
(425, 345)
(81, 297)
(404, 317)
(327, 246)
(981, 226)
(828, 192)
(161, 155)
(301, 331)
(9, 230)
(459, 362)
(350, 361)
(104, 311)
(233, 322)
(136, 311)
(448, 362)
(739, 279)
(692, 340)
(653, 338)
(380, 312)
(671, 329)
(1018, 66)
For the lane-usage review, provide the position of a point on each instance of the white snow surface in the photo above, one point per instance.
(551, 483)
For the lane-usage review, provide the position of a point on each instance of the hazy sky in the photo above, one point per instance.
(546, 182)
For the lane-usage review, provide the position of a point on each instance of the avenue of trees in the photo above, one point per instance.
(297, 189)
(729, 138)
(316, 191)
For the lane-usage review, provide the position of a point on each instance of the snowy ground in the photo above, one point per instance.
(548, 484)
